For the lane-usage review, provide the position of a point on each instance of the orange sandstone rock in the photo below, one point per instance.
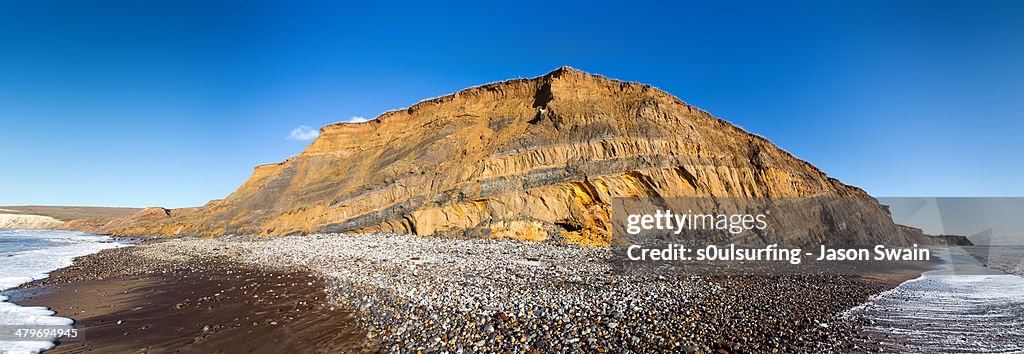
(532, 159)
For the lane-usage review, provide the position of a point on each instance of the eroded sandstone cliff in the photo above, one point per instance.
(531, 159)
(145, 216)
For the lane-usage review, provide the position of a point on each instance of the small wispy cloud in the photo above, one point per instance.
(357, 119)
(303, 133)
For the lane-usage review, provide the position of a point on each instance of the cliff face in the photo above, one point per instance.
(528, 159)
(954, 240)
(22, 221)
(124, 223)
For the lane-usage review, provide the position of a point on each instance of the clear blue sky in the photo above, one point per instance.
(172, 103)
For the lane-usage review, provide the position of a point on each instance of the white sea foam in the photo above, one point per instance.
(956, 309)
(27, 255)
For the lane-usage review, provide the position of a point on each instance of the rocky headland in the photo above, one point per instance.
(529, 159)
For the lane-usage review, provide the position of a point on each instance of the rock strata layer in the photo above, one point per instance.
(529, 159)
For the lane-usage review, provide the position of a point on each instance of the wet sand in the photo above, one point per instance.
(123, 304)
(892, 277)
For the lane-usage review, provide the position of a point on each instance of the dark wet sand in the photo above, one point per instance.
(893, 277)
(207, 308)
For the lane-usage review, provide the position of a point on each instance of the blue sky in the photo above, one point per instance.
(172, 103)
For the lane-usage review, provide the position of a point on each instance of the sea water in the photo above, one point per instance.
(963, 307)
(27, 255)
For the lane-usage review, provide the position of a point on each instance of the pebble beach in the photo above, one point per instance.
(400, 293)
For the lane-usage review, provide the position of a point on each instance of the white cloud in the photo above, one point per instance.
(303, 133)
(357, 119)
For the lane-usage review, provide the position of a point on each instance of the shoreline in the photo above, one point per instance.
(962, 305)
(123, 302)
(333, 293)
